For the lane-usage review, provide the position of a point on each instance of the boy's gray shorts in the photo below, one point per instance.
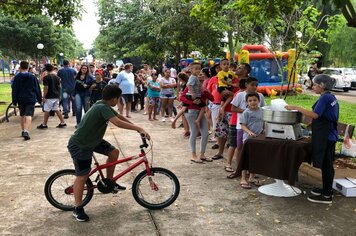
(82, 158)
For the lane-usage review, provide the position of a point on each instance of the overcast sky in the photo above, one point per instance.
(87, 29)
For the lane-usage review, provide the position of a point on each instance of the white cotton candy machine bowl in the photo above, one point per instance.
(282, 124)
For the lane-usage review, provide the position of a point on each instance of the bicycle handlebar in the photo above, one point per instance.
(144, 142)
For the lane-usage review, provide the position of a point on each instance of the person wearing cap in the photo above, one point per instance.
(96, 89)
(325, 115)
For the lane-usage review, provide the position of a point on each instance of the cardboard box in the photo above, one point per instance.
(345, 186)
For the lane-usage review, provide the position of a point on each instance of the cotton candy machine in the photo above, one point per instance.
(282, 124)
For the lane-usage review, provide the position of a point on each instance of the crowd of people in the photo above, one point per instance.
(221, 101)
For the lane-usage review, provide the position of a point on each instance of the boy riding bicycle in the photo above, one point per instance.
(88, 138)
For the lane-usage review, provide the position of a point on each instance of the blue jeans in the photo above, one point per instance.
(191, 116)
(67, 99)
(81, 101)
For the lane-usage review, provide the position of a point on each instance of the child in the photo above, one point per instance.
(89, 138)
(96, 89)
(325, 115)
(233, 132)
(153, 97)
(225, 77)
(194, 89)
(252, 124)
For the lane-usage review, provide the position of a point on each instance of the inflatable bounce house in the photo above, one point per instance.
(266, 69)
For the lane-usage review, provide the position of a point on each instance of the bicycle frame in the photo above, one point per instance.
(99, 168)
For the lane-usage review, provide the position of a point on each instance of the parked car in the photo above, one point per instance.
(342, 82)
(351, 74)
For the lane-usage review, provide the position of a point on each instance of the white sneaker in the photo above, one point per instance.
(172, 119)
(163, 119)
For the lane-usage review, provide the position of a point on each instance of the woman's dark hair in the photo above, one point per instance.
(252, 95)
(183, 76)
(213, 70)
(206, 71)
(80, 72)
(111, 91)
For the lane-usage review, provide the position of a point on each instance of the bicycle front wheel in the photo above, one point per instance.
(159, 192)
(59, 190)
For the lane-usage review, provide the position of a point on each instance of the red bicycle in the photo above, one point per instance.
(154, 188)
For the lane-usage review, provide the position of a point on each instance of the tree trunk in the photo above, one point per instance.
(231, 46)
(349, 13)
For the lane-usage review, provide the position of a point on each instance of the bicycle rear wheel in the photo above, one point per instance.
(158, 194)
(59, 190)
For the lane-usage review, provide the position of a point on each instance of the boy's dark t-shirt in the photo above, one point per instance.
(96, 93)
(92, 127)
(53, 82)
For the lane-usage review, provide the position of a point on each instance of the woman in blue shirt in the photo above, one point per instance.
(325, 116)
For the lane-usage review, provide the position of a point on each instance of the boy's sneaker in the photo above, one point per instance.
(61, 125)
(26, 135)
(42, 126)
(118, 187)
(163, 119)
(65, 116)
(319, 191)
(22, 133)
(321, 199)
(79, 214)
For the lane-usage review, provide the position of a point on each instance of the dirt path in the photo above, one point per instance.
(209, 204)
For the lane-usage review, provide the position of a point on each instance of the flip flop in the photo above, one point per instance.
(255, 182)
(207, 159)
(232, 175)
(217, 157)
(245, 185)
(228, 169)
(197, 161)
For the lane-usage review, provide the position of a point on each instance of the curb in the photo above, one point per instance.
(315, 173)
(3, 117)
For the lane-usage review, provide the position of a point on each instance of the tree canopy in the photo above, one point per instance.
(20, 37)
(62, 12)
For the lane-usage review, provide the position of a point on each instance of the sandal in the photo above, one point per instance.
(217, 157)
(255, 182)
(197, 161)
(207, 159)
(233, 175)
(245, 185)
(228, 169)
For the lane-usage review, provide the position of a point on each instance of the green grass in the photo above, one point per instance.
(5, 96)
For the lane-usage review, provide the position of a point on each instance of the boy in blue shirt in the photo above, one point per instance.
(325, 116)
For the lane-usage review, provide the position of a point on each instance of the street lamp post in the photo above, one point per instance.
(40, 46)
(61, 58)
(114, 56)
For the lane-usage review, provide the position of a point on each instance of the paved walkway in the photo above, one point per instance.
(209, 204)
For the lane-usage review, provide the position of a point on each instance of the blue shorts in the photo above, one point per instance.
(169, 96)
(82, 157)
